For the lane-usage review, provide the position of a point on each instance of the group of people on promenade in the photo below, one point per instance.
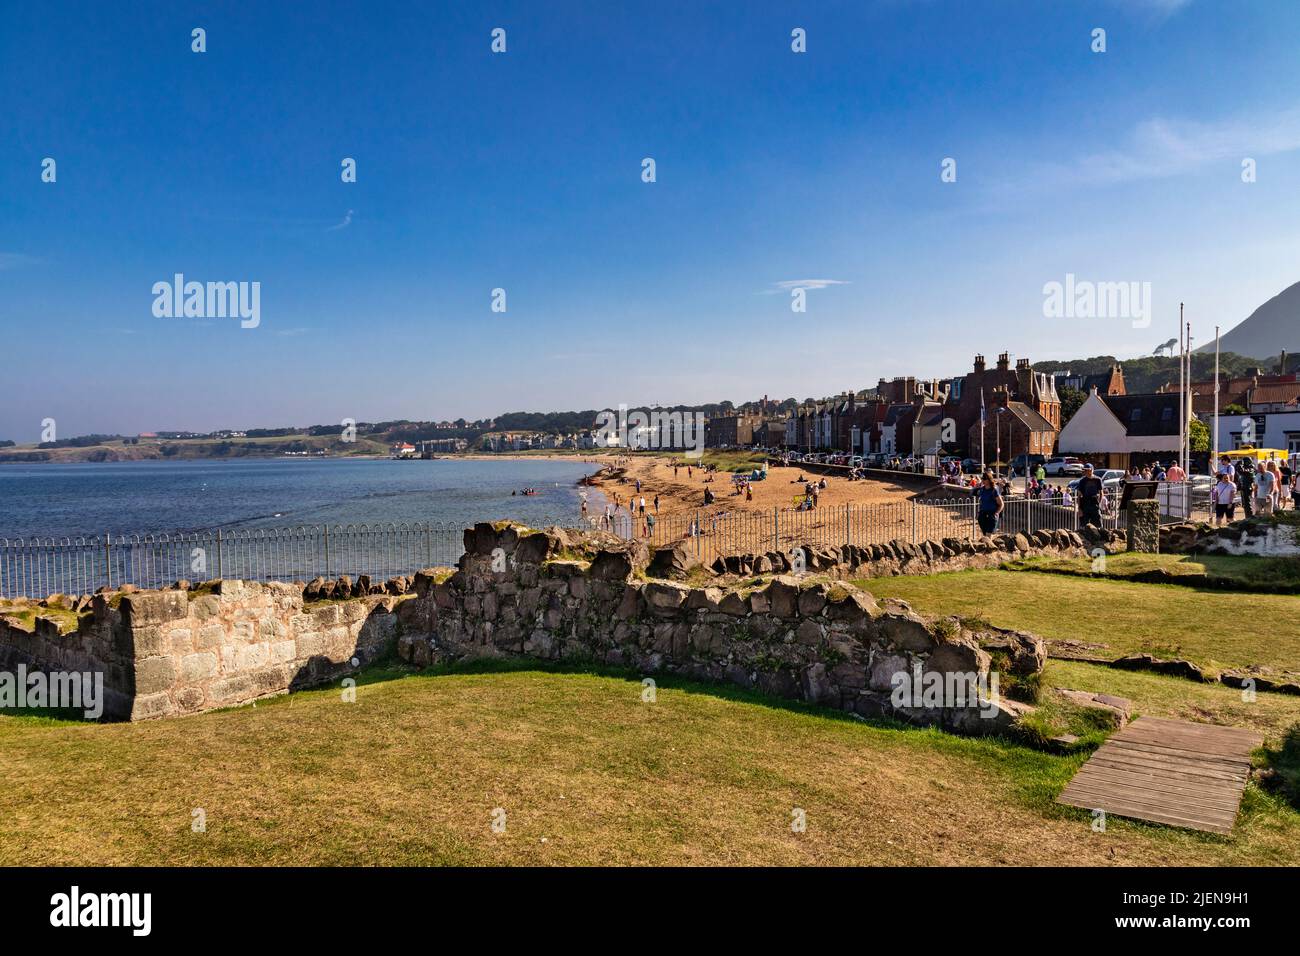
(1089, 497)
(1260, 488)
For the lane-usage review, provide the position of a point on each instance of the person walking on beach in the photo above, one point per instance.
(1090, 491)
(990, 505)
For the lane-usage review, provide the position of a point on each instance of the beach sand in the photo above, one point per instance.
(682, 493)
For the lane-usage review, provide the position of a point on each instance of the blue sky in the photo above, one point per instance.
(523, 171)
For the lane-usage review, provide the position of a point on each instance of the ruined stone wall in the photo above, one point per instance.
(97, 646)
(539, 595)
(758, 621)
(180, 651)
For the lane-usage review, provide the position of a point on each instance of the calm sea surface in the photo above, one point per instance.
(154, 496)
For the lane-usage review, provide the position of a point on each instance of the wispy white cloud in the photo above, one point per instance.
(347, 221)
(1164, 7)
(1158, 148)
(788, 284)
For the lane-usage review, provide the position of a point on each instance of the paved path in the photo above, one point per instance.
(1168, 771)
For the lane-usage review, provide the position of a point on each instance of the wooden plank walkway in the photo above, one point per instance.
(1168, 771)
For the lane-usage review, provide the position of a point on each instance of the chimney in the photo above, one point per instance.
(979, 363)
(1004, 362)
(1282, 365)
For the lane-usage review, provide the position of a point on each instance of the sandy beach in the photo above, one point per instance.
(746, 526)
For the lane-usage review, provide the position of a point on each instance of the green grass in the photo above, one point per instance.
(24, 615)
(587, 773)
(1216, 629)
(1156, 695)
(1232, 572)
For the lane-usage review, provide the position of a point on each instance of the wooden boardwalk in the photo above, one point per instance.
(1168, 771)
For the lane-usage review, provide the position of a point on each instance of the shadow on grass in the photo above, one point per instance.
(1015, 748)
(1282, 768)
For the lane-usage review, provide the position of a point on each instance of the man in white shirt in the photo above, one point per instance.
(1225, 497)
(1265, 484)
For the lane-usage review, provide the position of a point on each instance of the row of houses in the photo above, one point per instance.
(999, 412)
(990, 412)
(529, 441)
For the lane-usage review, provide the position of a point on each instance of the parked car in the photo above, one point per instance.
(1031, 462)
(1111, 479)
(970, 466)
(1063, 466)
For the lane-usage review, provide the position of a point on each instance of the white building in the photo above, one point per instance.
(1270, 430)
(1108, 430)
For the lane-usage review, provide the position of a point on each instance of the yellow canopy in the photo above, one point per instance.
(1257, 454)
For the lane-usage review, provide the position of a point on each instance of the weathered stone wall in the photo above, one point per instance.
(226, 643)
(925, 557)
(97, 646)
(544, 595)
(552, 595)
(1265, 537)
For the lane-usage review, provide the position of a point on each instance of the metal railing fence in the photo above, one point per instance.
(38, 567)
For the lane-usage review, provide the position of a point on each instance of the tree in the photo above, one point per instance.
(1071, 401)
(1199, 435)
(1233, 409)
(1166, 347)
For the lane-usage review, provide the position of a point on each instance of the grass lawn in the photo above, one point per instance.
(586, 772)
(1214, 628)
(1233, 572)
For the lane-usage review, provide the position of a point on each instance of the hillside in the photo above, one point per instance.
(1271, 329)
(1149, 372)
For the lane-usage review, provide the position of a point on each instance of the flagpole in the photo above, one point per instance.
(1187, 467)
(982, 421)
(1215, 451)
(1184, 391)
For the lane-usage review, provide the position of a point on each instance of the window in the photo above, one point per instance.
(1135, 415)
(1293, 443)
(1166, 414)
